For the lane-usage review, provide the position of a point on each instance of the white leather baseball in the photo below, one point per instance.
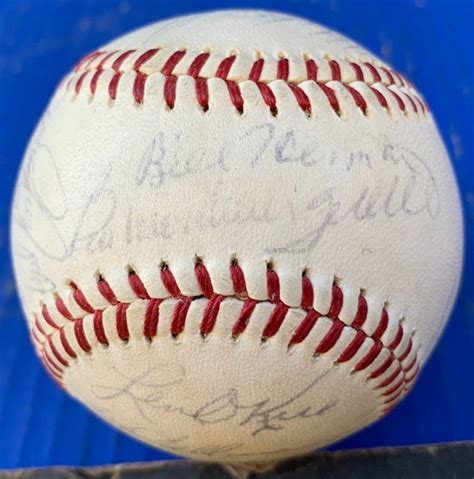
(236, 235)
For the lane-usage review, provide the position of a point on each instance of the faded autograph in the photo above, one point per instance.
(406, 187)
(151, 396)
(185, 445)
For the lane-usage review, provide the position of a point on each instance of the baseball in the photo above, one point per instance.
(237, 235)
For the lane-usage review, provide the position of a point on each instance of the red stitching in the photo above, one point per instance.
(61, 307)
(80, 81)
(390, 77)
(65, 343)
(235, 95)
(101, 64)
(397, 339)
(169, 282)
(283, 69)
(352, 348)
(331, 337)
(275, 320)
(142, 59)
(57, 376)
(358, 71)
(197, 64)
(152, 313)
(301, 98)
(307, 293)
(358, 98)
(407, 351)
(224, 67)
(99, 328)
(245, 313)
(375, 74)
(47, 317)
(137, 286)
(204, 280)
(412, 102)
(80, 299)
(106, 291)
(210, 314)
(336, 302)
(409, 379)
(399, 77)
(335, 70)
(238, 279)
(100, 70)
(382, 326)
(121, 321)
(361, 314)
(81, 336)
(170, 82)
(311, 70)
(393, 386)
(305, 327)
(256, 70)
(179, 317)
(38, 326)
(139, 86)
(86, 60)
(273, 285)
(268, 97)
(119, 61)
(57, 355)
(400, 102)
(202, 93)
(383, 367)
(94, 81)
(380, 97)
(222, 72)
(172, 62)
(51, 362)
(170, 91)
(424, 106)
(410, 366)
(282, 72)
(36, 337)
(331, 96)
(370, 357)
(391, 378)
(113, 85)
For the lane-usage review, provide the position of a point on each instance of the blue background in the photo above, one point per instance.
(430, 41)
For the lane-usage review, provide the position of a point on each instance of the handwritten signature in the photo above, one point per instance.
(185, 445)
(397, 183)
(397, 197)
(150, 395)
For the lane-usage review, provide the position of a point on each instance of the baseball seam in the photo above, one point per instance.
(368, 85)
(389, 359)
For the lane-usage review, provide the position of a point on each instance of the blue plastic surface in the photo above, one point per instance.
(430, 41)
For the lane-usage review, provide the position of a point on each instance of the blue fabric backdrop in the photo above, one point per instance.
(430, 41)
